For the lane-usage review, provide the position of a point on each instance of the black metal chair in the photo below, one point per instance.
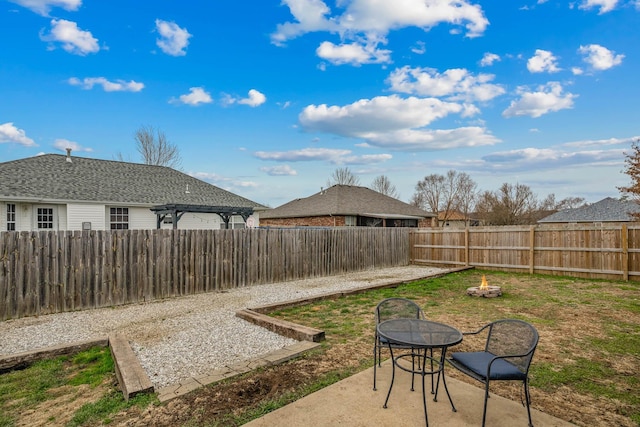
(507, 356)
(392, 308)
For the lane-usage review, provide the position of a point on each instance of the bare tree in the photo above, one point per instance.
(509, 205)
(155, 148)
(467, 195)
(343, 176)
(570, 203)
(446, 193)
(429, 192)
(632, 168)
(381, 184)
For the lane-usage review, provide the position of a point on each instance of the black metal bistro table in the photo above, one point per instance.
(422, 336)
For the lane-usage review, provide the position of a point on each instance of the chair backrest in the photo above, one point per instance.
(512, 336)
(397, 308)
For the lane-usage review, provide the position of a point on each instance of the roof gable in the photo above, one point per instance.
(345, 200)
(51, 178)
(606, 210)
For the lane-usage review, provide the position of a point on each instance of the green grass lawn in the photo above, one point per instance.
(589, 349)
(585, 369)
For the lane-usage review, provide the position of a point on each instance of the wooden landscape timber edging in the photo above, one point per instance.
(587, 251)
(260, 315)
(132, 378)
(43, 272)
(281, 327)
(23, 360)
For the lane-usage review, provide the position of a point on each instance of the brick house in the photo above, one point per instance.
(346, 205)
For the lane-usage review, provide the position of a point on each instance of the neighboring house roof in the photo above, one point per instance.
(452, 216)
(347, 200)
(606, 210)
(51, 178)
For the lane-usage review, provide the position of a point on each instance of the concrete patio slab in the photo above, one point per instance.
(352, 402)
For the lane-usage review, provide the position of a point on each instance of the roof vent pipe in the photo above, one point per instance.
(69, 155)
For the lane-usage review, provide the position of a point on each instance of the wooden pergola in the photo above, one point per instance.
(175, 212)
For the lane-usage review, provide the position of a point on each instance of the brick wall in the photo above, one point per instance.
(319, 221)
(309, 221)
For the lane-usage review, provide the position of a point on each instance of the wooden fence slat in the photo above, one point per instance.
(47, 271)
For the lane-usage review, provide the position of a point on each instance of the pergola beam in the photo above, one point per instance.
(176, 211)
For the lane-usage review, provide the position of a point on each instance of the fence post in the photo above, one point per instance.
(466, 246)
(532, 252)
(624, 241)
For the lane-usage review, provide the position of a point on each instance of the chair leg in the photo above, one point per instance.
(527, 398)
(486, 398)
(376, 359)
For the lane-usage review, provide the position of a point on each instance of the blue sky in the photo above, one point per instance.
(267, 98)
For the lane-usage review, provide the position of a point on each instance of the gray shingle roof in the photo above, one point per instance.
(51, 178)
(606, 210)
(345, 200)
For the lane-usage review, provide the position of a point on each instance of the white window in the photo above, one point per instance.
(234, 222)
(119, 218)
(350, 221)
(44, 218)
(11, 217)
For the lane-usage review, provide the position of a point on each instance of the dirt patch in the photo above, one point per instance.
(60, 409)
(220, 402)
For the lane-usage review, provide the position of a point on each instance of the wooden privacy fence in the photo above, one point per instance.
(603, 252)
(48, 272)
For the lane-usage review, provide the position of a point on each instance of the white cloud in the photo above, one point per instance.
(73, 39)
(210, 177)
(380, 114)
(334, 156)
(430, 140)
(226, 183)
(455, 84)
(599, 57)
(353, 53)
(283, 170)
(488, 59)
(255, 99)
(419, 48)
(542, 61)
(173, 39)
(604, 5)
(303, 155)
(548, 98)
(43, 7)
(548, 158)
(602, 142)
(10, 133)
(369, 21)
(310, 16)
(395, 122)
(576, 71)
(63, 144)
(196, 96)
(108, 86)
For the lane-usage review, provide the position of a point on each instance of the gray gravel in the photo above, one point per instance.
(185, 337)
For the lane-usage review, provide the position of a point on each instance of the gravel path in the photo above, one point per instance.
(181, 338)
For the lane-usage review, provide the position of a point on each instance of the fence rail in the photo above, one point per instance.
(48, 272)
(603, 252)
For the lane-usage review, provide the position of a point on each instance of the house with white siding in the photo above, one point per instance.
(58, 192)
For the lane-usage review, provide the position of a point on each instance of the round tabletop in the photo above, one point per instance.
(419, 333)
